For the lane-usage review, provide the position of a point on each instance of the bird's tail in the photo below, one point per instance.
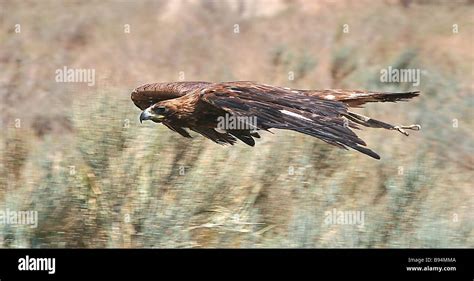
(357, 98)
(361, 98)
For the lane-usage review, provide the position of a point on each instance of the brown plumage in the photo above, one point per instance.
(246, 107)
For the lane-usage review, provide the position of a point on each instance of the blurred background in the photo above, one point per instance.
(78, 156)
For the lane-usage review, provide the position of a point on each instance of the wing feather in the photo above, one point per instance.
(147, 95)
(310, 115)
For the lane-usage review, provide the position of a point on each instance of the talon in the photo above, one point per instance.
(415, 127)
(400, 129)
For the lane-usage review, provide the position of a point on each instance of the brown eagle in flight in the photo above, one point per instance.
(202, 107)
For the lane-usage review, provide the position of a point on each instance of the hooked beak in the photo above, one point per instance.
(147, 115)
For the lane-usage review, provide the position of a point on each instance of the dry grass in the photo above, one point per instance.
(98, 178)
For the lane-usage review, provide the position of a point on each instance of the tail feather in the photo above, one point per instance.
(357, 98)
(363, 98)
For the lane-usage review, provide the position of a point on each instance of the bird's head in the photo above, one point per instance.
(156, 113)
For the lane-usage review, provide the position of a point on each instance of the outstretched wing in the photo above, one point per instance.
(147, 95)
(282, 108)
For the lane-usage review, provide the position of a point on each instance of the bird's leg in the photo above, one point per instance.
(401, 128)
(369, 122)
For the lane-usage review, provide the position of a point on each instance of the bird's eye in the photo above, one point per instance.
(160, 110)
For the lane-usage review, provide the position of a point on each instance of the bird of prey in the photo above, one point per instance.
(227, 111)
